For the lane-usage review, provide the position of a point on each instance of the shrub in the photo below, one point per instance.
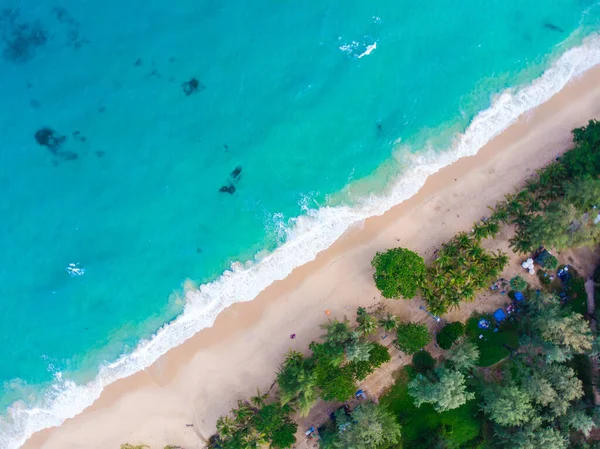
(423, 361)
(449, 334)
(543, 277)
(399, 272)
(518, 283)
(551, 263)
(411, 337)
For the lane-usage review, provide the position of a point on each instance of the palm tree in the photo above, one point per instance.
(513, 206)
(368, 325)
(520, 243)
(259, 400)
(463, 241)
(226, 427)
(551, 179)
(492, 227)
(444, 261)
(307, 397)
(475, 252)
(361, 313)
(532, 184)
(450, 248)
(500, 213)
(254, 439)
(293, 357)
(389, 322)
(243, 413)
(468, 293)
(479, 232)
(501, 259)
(472, 272)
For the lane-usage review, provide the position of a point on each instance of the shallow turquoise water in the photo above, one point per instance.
(295, 95)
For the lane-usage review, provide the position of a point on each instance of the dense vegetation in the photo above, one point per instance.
(557, 208)
(526, 383)
(343, 356)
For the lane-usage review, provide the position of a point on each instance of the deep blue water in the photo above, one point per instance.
(124, 178)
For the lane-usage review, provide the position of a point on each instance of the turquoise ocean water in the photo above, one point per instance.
(121, 121)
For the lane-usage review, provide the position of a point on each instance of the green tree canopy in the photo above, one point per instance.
(449, 334)
(335, 383)
(423, 361)
(566, 330)
(528, 438)
(378, 355)
(518, 283)
(463, 355)
(411, 337)
(371, 427)
(399, 272)
(275, 422)
(446, 390)
(507, 405)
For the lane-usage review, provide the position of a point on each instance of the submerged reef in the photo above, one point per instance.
(20, 39)
(53, 141)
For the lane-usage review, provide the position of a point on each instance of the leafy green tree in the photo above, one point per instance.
(275, 422)
(389, 322)
(335, 383)
(584, 159)
(378, 355)
(528, 438)
(507, 405)
(399, 272)
(449, 334)
(566, 384)
(411, 337)
(359, 351)
(371, 427)
(423, 362)
(446, 391)
(518, 283)
(578, 420)
(463, 355)
(567, 331)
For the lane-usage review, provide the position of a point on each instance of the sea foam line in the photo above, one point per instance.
(309, 235)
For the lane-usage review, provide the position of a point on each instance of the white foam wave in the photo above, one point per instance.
(308, 235)
(368, 50)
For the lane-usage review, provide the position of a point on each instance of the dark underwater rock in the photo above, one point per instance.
(235, 174)
(192, 86)
(50, 139)
(227, 189)
(553, 27)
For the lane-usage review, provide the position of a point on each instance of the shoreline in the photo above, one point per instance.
(188, 384)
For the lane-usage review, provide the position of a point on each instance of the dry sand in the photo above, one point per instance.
(203, 378)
